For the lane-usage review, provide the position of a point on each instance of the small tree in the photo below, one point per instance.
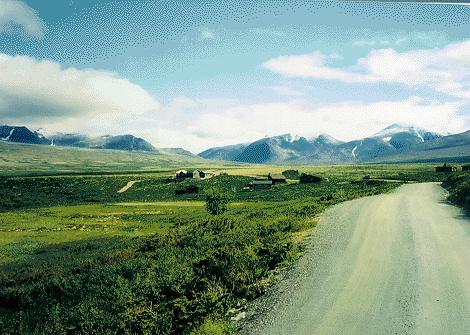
(216, 201)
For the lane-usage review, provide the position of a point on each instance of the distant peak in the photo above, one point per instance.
(289, 137)
(396, 126)
(326, 138)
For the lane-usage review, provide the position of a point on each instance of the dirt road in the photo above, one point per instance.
(128, 186)
(397, 263)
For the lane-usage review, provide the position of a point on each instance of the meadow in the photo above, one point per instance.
(77, 257)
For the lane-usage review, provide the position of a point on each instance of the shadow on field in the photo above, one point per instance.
(69, 253)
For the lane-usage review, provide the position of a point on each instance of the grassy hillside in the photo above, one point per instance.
(30, 159)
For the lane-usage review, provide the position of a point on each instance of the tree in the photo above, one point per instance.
(216, 201)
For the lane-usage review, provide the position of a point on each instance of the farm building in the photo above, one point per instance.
(446, 168)
(196, 174)
(277, 179)
(306, 179)
(261, 184)
(266, 183)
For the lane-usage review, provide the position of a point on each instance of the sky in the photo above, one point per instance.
(209, 73)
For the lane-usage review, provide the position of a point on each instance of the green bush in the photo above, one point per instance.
(216, 201)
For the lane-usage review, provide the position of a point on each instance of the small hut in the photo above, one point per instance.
(446, 168)
(307, 179)
(260, 184)
(277, 179)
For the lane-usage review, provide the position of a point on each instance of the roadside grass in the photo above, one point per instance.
(81, 258)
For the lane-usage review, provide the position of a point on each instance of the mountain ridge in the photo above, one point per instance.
(21, 134)
(392, 141)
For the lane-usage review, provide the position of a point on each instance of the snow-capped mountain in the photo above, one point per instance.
(324, 149)
(21, 134)
(119, 142)
(284, 149)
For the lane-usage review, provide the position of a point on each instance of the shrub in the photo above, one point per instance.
(216, 201)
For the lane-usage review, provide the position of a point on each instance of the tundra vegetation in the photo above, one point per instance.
(77, 257)
(458, 186)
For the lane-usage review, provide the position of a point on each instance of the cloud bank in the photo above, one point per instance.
(345, 120)
(17, 17)
(39, 91)
(446, 70)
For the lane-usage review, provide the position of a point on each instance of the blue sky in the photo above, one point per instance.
(199, 74)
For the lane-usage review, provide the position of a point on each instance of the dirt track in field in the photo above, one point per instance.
(128, 186)
(396, 263)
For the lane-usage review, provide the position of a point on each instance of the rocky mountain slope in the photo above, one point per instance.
(120, 142)
(21, 134)
(451, 148)
(394, 142)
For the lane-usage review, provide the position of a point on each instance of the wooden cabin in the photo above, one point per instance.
(446, 168)
(261, 184)
(306, 179)
(277, 179)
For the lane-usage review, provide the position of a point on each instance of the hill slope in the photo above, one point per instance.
(33, 159)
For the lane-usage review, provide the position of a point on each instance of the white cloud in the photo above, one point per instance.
(40, 91)
(16, 16)
(400, 41)
(446, 70)
(199, 124)
(206, 33)
(306, 66)
(346, 121)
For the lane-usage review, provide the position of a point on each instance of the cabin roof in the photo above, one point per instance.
(277, 176)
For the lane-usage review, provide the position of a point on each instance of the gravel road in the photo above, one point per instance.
(395, 263)
(128, 186)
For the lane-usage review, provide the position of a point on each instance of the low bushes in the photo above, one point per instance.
(458, 186)
(167, 284)
(182, 282)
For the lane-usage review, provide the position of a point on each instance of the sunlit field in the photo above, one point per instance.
(150, 261)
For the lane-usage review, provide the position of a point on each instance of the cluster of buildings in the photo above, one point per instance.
(182, 175)
(276, 179)
(257, 184)
(450, 168)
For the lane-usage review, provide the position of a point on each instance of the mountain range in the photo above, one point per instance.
(22, 134)
(395, 143)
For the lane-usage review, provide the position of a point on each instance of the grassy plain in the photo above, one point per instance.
(78, 256)
(18, 159)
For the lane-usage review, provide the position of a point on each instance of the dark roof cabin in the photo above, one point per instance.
(277, 179)
(306, 179)
(261, 184)
(196, 174)
(446, 168)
